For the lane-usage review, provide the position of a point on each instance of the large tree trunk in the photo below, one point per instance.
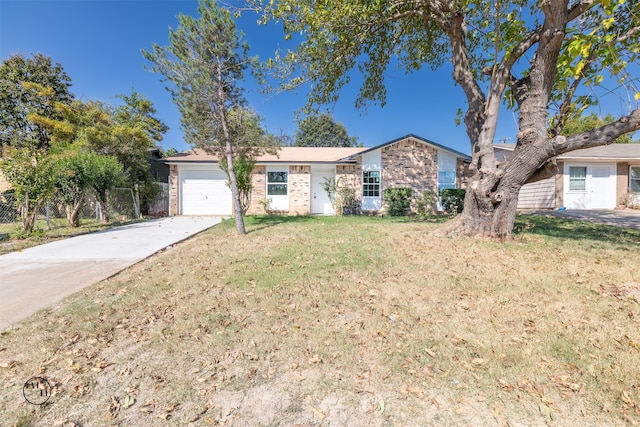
(103, 211)
(73, 213)
(233, 179)
(28, 214)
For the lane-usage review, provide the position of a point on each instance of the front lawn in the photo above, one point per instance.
(358, 321)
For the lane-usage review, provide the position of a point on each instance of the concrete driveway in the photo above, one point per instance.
(627, 218)
(40, 276)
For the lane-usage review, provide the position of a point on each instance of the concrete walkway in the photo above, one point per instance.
(40, 276)
(626, 218)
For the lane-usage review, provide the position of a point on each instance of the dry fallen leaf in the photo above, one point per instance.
(321, 415)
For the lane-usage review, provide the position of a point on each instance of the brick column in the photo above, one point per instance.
(173, 190)
(299, 190)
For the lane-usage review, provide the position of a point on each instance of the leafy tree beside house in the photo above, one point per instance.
(546, 59)
(30, 91)
(322, 131)
(205, 63)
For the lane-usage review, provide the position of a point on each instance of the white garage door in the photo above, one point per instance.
(205, 192)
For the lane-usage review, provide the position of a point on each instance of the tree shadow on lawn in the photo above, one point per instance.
(564, 228)
(259, 222)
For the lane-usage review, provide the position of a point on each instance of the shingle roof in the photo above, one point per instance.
(605, 152)
(285, 155)
(308, 154)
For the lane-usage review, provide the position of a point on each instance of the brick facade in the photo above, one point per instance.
(299, 190)
(405, 163)
(622, 182)
(258, 194)
(173, 190)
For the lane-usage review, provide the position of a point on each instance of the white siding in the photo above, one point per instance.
(538, 195)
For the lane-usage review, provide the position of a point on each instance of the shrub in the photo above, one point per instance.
(452, 200)
(349, 203)
(426, 203)
(398, 201)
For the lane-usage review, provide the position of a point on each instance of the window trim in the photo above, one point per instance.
(447, 171)
(576, 179)
(368, 187)
(637, 167)
(284, 183)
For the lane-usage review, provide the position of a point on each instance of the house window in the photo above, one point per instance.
(371, 184)
(577, 178)
(277, 183)
(446, 179)
(634, 179)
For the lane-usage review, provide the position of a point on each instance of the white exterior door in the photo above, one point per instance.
(590, 186)
(204, 192)
(320, 201)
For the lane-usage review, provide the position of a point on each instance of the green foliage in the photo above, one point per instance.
(330, 186)
(205, 62)
(29, 90)
(170, 152)
(398, 201)
(348, 202)
(32, 176)
(426, 204)
(590, 122)
(78, 172)
(108, 175)
(243, 166)
(322, 131)
(452, 200)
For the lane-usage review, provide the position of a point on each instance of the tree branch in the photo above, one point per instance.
(603, 135)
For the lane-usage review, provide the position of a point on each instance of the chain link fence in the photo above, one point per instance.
(122, 206)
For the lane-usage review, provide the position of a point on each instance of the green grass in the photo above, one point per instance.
(360, 321)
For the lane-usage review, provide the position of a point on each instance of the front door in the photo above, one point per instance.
(320, 200)
(603, 190)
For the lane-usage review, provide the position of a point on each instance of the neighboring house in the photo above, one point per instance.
(292, 181)
(592, 178)
(598, 177)
(536, 195)
(159, 170)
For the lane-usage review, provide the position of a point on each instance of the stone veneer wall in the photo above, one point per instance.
(409, 164)
(348, 176)
(258, 193)
(173, 190)
(299, 190)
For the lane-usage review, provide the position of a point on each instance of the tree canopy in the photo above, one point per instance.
(205, 63)
(323, 131)
(548, 60)
(52, 143)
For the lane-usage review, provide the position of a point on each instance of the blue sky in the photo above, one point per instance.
(98, 43)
